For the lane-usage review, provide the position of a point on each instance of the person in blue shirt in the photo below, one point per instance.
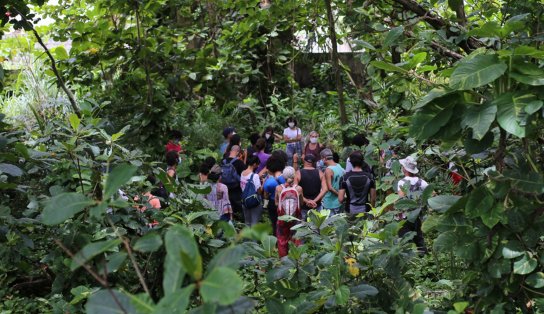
(274, 165)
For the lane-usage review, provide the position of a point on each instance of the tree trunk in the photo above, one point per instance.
(336, 68)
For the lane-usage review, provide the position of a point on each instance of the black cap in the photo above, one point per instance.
(309, 158)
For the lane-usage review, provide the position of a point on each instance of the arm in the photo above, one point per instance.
(400, 192)
(277, 196)
(297, 177)
(341, 195)
(373, 197)
(324, 188)
(328, 176)
(300, 197)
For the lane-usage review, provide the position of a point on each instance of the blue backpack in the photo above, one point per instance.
(229, 175)
(250, 198)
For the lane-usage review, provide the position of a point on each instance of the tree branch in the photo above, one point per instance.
(437, 22)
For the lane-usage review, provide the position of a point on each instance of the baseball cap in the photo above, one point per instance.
(326, 153)
(309, 158)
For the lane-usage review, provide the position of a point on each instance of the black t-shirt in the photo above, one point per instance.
(361, 183)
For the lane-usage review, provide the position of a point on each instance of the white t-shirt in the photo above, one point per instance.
(413, 181)
(245, 179)
(291, 134)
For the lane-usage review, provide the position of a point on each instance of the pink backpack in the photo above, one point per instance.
(289, 202)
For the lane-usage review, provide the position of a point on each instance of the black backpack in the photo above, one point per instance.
(358, 191)
(229, 175)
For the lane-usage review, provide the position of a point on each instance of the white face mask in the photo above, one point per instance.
(267, 136)
(291, 124)
(313, 140)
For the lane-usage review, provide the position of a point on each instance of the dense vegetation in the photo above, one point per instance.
(453, 81)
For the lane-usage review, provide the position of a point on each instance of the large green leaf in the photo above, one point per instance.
(492, 216)
(64, 206)
(480, 200)
(523, 51)
(228, 257)
(148, 243)
(363, 290)
(512, 115)
(117, 177)
(479, 118)
(441, 203)
(392, 36)
(222, 285)
(435, 93)
(342, 295)
(525, 265)
(176, 302)
(528, 73)
(388, 66)
(512, 249)
(91, 250)
(529, 182)
(536, 280)
(428, 121)
(269, 245)
(478, 71)
(109, 301)
(10, 169)
(181, 243)
(473, 146)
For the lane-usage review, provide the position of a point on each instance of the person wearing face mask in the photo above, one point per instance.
(312, 147)
(292, 136)
(270, 136)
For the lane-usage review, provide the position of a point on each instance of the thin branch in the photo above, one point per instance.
(71, 97)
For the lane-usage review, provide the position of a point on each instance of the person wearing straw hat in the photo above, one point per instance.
(411, 187)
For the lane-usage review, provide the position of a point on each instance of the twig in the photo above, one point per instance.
(132, 259)
(102, 281)
(71, 97)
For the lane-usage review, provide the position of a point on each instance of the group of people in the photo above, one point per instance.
(304, 176)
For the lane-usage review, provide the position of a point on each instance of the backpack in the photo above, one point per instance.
(289, 202)
(229, 176)
(357, 193)
(414, 193)
(250, 198)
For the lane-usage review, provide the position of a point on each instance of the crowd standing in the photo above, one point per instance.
(307, 175)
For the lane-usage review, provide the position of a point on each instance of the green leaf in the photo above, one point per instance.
(480, 200)
(151, 242)
(523, 51)
(228, 257)
(222, 285)
(60, 53)
(478, 71)
(64, 206)
(342, 295)
(115, 261)
(460, 306)
(428, 121)
(417, 59)
(479, 118)
(119, 176)
(10, 169)
(441, 203)
(511, 114)
(493, 216)
(176, 302)
(74, 121)
(529, 182)
(392, 36)
(362, 291)
(533, 80)
(488, 29)
(387, 66)
(473, 146)
(269, 245)
(512, 249)
(363, 44)
(536, 280)
(182, 243)
(525, 265)
(435, 93)
(109, 302)
(515, 23)
(91, 250)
